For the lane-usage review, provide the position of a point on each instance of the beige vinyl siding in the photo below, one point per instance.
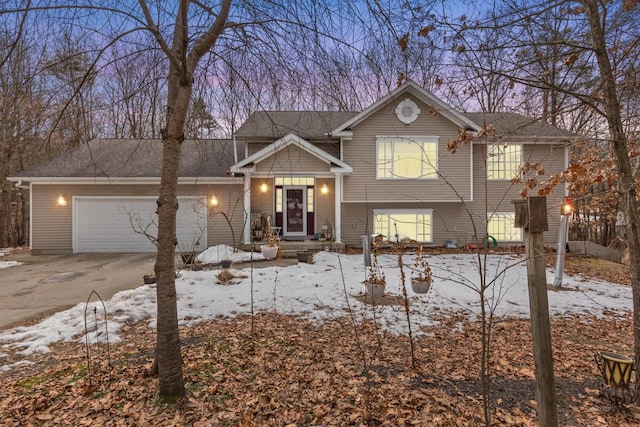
(360, 153)
(231, 203)
(553, 159)
(498, 195)
(52, 224)
(292, 159)
(325, 204)
(450, 221)
(262, 202)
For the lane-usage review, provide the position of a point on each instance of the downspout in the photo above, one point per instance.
(247, 208)
(235, 150)
(338, 207)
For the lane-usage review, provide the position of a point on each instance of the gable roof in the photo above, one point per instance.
(310, 125)
(130, 158)
(428, 98)
(248, 164)
(514, 125)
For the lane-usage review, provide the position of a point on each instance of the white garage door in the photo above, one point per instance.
(119, 224)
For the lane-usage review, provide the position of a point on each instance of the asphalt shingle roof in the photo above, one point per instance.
(316, 124)
(310, 125)
(104, 158)
(515, 125)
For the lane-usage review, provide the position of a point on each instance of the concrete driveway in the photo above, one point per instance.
(45, 284)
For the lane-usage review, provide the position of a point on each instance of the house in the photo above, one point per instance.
(384, 170)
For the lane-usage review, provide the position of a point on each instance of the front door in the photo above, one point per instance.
(295, 211)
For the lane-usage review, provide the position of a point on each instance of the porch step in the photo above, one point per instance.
(289, 248)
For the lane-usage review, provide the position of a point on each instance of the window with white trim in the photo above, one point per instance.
(295, 180)
(414, 224)
(307, 181)
(501, 227)
(409, 157)
(503, 161)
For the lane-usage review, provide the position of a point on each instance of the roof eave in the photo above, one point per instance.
(122, 180)
(443, 108)
(248, 165)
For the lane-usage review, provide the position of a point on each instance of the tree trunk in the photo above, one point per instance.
(168, 351)
(618, 138)
(168, 354)
(180, 88)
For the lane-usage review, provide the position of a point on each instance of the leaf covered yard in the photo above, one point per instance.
(286, 366)
(292, 372)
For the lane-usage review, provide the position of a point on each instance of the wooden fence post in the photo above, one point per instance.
(531, 215)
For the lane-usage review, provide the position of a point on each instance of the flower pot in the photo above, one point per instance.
(615, 368)
(225, 263)
(303, 256)
(269, 252)
(374, 290)
(420, 286)
(149, 279)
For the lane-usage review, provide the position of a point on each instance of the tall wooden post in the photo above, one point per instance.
(531, 215)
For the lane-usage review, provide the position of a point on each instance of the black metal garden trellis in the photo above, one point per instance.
(98, 349)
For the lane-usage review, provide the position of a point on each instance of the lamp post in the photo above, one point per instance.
(565, 214)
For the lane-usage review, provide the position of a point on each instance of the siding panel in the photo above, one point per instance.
(451, 221)
(292, 159)
(52, 224)
(360, 153)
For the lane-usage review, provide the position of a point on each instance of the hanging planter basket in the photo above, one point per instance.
(374, 290)
(420, 286)
(269, 252)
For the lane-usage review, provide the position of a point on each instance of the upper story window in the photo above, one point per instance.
(407, 157)
(503, 161)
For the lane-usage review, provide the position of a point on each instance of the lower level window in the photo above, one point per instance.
(406, 223)
(500, 227)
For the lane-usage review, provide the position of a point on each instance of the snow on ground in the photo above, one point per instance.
(5, 264)
(215, 254)
(327, 288)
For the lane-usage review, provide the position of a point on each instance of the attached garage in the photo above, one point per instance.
(122, 224)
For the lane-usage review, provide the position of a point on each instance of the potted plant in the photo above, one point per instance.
(149, 279)
(375, 282)
(421, 274)
(269, 248)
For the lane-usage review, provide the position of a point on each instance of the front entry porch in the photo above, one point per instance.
(290, 247)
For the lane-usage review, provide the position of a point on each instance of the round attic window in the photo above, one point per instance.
(407, 111)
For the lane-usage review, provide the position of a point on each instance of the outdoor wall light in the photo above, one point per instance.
(264, 187)
(62, 201)
(213, 201)
(567, 206)
(324, 189)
